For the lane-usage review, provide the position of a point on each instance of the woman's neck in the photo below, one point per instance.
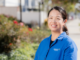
(55, 35)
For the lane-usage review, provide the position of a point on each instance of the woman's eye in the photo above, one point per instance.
(50, 18)
(58, 18)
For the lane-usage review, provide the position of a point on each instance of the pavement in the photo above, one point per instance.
(74, 33)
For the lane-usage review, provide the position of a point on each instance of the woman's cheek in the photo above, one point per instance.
(60, 24)
(49, 24)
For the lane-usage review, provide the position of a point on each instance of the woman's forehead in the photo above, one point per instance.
(55, 13)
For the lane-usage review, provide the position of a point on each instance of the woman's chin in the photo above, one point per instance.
(54, 30)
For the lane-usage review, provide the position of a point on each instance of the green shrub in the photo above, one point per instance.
(17, 41)
(3, 57)
(25, 52)
(8, 34)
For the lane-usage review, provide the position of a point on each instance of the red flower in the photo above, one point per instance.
(21, 24)
(30, 29)
(15, 22)
(10, 43)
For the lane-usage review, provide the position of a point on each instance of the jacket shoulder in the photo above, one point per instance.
(67, 39)
(45, 39)
(69, 42)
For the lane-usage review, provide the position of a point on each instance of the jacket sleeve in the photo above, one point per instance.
(37, 53)
(70, 52)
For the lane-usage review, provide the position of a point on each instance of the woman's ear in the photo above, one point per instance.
(65, 20)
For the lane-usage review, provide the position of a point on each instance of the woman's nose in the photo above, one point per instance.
(54, 20)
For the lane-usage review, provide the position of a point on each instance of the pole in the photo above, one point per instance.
(20, 12)
(39, 16)
(4, 3)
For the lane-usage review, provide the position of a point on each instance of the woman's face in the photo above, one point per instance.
(55, 21)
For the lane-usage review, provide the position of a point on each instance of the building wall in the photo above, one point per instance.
(29, 17)
(12, 11)
(2, 2)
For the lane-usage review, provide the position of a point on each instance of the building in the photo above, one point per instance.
(2, 2)
(30, 5)
(30, 11)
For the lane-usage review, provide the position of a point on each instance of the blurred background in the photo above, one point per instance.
(23, 25)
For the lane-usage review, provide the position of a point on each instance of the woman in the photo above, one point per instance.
(58, 46)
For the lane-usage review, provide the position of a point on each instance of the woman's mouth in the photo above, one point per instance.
(53, 26)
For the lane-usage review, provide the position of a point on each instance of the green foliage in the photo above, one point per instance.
(17, 41)
(3, 57)
(25, 52)
(8, 34)
(79, 24)
(68, 5)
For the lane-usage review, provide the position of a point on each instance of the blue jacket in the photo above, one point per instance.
(63, 48)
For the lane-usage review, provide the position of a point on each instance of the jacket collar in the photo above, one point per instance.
(60, 37)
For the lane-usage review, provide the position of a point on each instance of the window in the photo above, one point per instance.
(33, 3)
(26, 2)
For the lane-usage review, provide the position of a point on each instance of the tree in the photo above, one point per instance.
(68, 5)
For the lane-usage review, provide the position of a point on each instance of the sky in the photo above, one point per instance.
(13, 2)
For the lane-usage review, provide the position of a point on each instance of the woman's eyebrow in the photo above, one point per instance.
(58, 16)
(55, 16)
(50, 16)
